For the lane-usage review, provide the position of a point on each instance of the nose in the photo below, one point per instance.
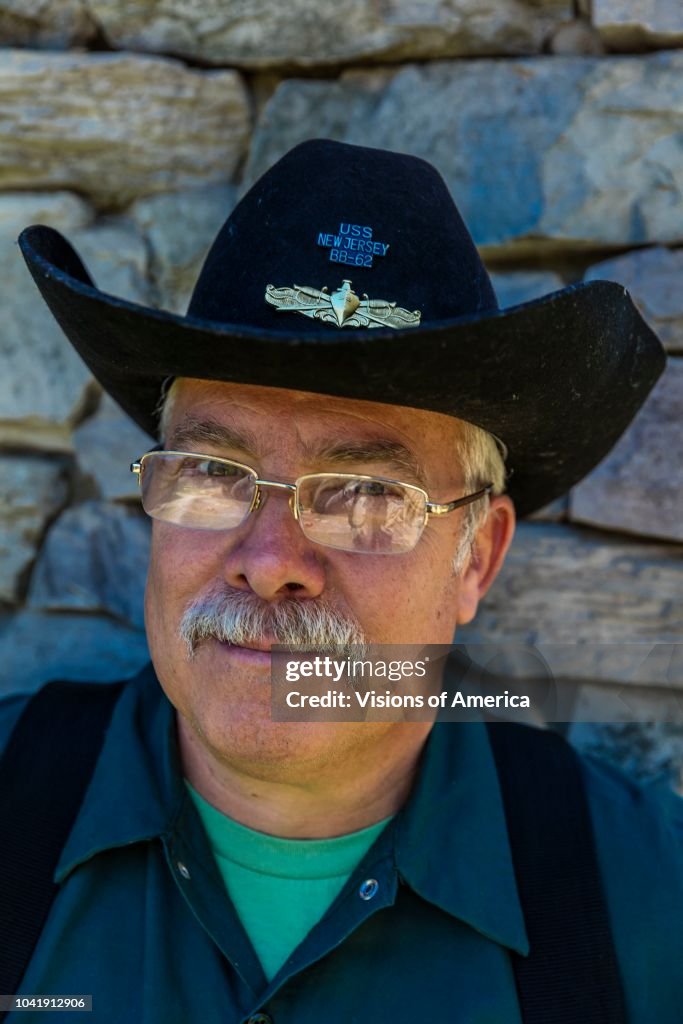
(270, 555)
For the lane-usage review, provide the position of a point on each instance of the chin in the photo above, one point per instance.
(249, 740)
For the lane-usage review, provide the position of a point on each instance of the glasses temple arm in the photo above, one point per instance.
(435, 509)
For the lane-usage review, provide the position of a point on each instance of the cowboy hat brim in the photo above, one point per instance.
(558, 379)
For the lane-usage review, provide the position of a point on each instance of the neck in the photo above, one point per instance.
(326, 801)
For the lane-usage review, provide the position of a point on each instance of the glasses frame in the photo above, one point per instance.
(432, 508)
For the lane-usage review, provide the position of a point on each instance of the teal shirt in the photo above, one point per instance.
(143, 922)
(280, 887)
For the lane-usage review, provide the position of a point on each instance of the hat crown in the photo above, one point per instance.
(558, 407)
(328, 212)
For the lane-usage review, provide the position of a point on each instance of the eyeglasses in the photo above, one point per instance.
(351, 512)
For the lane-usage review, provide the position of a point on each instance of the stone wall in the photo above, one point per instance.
(134, 127)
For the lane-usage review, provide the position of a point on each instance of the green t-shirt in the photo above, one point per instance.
(280, 887)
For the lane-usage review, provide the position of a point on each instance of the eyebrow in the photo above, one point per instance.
(192, 431)
(391, 453)
(394, 454)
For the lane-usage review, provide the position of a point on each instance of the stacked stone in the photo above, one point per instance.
(133, 128)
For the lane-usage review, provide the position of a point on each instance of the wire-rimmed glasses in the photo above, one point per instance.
(347, 511)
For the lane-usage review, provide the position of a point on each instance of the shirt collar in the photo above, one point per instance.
(136, 789)
(452, 845)
(451, 840)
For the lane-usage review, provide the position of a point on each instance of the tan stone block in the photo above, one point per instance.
(94, 559)
(542, 156)
(267, 33)
(36, 647)
(115, 126)
(43, 385)
(592, 603)
(32, 490)
(45, 23)
(179, 228)
(647, 743)
(576, 38)
(638, 487)
(106, 444)
(517, 286)
(45, 388)
(626, 25)
(654, 277)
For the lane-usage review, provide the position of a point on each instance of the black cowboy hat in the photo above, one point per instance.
(557, 380)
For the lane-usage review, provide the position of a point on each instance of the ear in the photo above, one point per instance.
(491, 543)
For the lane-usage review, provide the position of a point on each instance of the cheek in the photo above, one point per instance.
(162, 561)
(156, 590)
(173, 579)
(179, 569)
(411, 599)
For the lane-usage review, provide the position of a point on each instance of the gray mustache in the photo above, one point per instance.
(243, 619)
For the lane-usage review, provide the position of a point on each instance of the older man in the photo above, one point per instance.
(343, 351)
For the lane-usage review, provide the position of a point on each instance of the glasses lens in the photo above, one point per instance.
(191, 490)
(361, 513)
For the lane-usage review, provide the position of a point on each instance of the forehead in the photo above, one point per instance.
(259, 409)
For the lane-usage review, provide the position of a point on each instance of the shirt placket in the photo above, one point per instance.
(372, 887)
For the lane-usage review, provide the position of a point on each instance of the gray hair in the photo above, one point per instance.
(482, 458)
(164, 407)
(479, 453)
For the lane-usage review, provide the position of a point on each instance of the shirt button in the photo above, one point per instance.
(368, 889)
(183, 869)
(260, 1018)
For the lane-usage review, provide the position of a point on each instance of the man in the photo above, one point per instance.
(226, 866)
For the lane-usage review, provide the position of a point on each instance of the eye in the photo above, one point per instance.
(369, 489)
(221, 469)
(190, 466)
